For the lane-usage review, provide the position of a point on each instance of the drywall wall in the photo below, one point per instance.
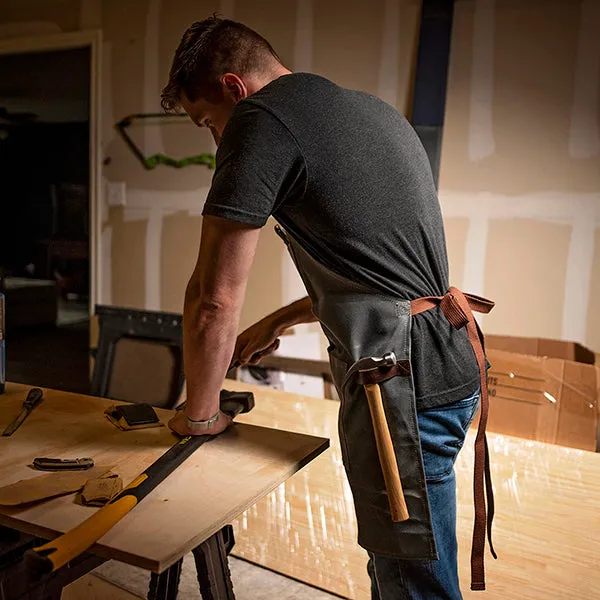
(520, 162)
(520, 183)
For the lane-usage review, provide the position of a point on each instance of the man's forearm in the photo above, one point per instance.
(295, 313)
(209, 334)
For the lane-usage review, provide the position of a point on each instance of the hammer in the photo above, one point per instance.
(55, 554)
(383, 439)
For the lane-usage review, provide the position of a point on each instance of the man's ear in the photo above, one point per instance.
(234, 85)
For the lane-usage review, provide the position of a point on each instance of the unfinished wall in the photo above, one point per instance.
(520, 181)
(520, 162)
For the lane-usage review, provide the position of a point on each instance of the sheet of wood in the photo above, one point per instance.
(546, 529)
(222, 479)
(48, 485)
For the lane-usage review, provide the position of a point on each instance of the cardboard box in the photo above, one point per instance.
(547, 399)
(541, 347)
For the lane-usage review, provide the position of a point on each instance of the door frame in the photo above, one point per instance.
(67, 41)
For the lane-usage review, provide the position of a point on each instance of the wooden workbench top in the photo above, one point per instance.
(217, 483)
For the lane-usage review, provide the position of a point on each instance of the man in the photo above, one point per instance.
(350, 184)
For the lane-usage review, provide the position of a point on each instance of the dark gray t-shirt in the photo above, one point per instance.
(348, 177)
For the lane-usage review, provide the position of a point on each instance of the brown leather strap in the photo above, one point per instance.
(401, 369)
(458, 309)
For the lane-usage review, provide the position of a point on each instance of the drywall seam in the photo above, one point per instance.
(584, 136)
(582, 211)
(303, 39)
(580, 263)
(191, 200)
(481, 131)
(153, 141)
(106, 297)
(389, 64)
(539, 206)
(153, 255)
(131, 215)
(227, 8)
(90, 16)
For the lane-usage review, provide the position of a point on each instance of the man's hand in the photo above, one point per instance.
(260, 339)
(256, 342)
(179, 426)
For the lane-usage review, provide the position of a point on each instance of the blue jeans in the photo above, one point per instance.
(442, 431)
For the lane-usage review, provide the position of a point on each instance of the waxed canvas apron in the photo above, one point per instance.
(359, 322)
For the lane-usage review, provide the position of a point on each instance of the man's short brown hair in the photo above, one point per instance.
(209, 49)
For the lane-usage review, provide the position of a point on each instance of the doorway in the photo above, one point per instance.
(48, 211)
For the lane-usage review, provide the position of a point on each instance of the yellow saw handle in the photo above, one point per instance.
(57, 553)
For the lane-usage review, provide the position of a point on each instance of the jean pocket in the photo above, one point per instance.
(442, 431)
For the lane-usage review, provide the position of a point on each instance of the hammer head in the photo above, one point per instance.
(370, 363)
(234, 403)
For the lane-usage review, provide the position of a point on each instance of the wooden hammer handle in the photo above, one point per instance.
(387, 456)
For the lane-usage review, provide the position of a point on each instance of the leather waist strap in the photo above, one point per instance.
(458, 309)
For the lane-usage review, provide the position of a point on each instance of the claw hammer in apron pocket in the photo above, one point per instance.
(383, 439)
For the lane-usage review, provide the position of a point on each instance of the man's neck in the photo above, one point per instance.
(258, 82)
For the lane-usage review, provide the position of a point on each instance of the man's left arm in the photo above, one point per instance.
(211, 314)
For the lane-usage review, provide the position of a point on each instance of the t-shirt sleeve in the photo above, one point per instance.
(259, 167)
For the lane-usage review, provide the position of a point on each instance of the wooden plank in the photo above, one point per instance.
(545, 530)
(225, 477)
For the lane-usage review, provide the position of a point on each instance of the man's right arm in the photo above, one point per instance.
(262, 338)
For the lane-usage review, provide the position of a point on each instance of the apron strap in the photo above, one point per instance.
(458, 309)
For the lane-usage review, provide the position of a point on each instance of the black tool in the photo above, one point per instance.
(34, 397)
(58, 552)
(63, 464)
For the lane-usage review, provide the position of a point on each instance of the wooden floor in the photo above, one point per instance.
(546, 530)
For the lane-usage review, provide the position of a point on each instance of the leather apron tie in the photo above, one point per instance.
(458, 309)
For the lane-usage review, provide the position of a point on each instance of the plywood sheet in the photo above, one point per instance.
(545, 529)
(225, 477)
(526, 266)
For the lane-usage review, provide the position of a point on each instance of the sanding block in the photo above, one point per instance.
(132, 416)
(100, 490)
